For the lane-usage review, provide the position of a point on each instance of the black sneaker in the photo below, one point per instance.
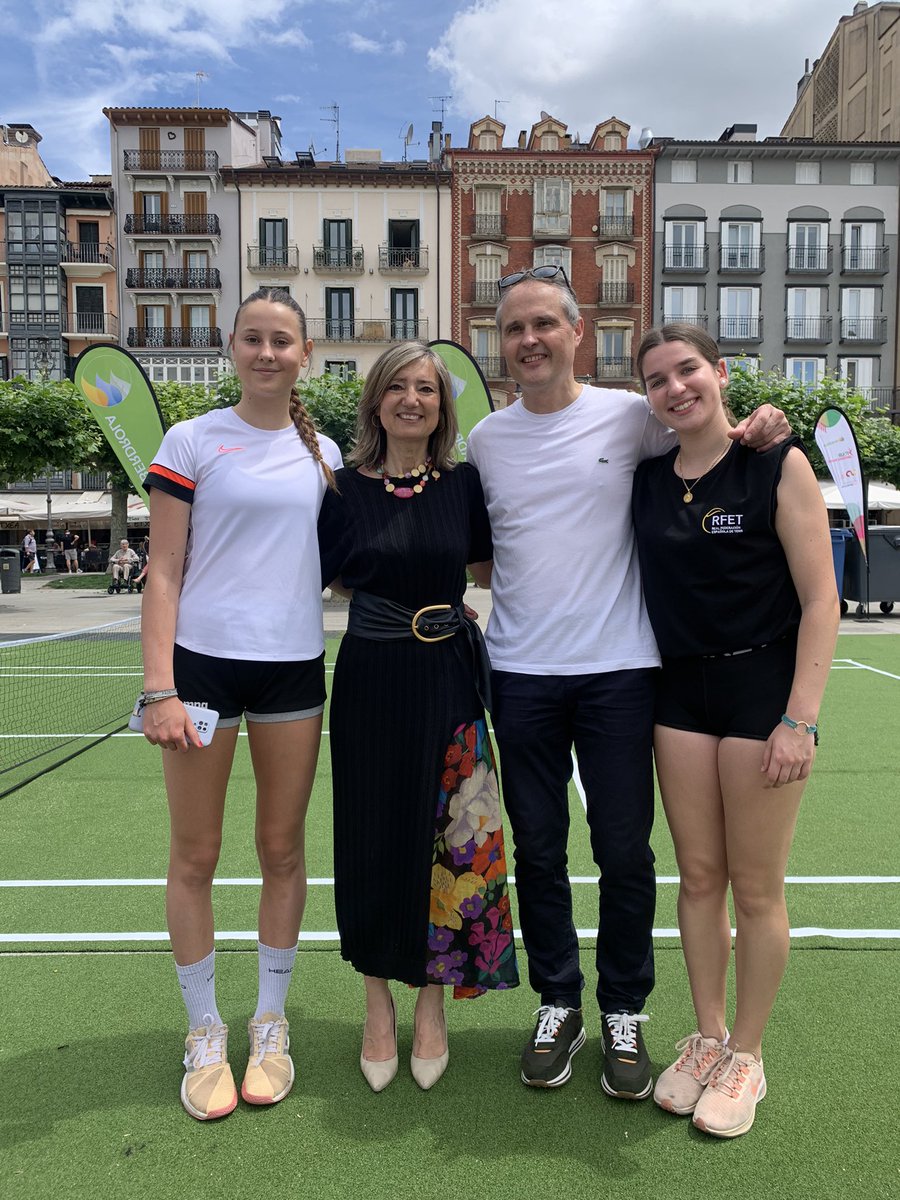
(558, 1035)
(626, 1064)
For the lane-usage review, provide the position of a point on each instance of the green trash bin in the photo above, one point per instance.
(10, 571)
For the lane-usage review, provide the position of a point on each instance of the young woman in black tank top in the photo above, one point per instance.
(740, 589)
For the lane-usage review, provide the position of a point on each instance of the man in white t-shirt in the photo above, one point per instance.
(574, 662)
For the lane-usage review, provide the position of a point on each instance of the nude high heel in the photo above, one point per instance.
(379, 1074)
(427, 1071)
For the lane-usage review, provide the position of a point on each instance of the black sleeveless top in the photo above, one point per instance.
(715, 576)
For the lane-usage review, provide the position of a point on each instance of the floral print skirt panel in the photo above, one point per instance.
(470, 931)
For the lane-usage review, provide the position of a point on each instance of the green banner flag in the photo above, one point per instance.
(120, 396)
(470, 389)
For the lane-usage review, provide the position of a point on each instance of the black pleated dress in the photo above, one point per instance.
(419, 865)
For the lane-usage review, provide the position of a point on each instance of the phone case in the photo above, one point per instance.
(205, 720)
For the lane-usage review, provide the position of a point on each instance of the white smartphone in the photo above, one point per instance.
(205, 720)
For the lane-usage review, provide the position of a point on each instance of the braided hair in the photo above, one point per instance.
(299, 414)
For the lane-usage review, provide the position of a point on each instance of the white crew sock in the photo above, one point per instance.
(198, 986)
(275, 969)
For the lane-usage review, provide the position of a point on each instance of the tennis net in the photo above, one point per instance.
(63, 694)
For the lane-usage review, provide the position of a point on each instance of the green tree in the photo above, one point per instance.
(45, 425)
(332, 403)
(879, 440)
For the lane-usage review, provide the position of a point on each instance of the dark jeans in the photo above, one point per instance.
(609, 720)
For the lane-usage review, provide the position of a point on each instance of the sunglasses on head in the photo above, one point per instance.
(544, 273)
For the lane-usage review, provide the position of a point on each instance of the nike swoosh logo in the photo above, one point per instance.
(229, 449)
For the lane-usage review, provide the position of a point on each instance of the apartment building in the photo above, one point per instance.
(785, 250)
(179, 230)
(851, 94)
(362, 245)
(552, 198)
(57, 262)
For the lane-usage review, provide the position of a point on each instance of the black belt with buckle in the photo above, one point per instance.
(382, 620)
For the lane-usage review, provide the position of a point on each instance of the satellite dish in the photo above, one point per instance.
(409, 135)
(545, 116)
(21, 136)
(646, 138)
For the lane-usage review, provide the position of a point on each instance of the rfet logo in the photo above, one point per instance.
(106, 394)
(717, 520)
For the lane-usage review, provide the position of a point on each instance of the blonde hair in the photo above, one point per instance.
(370, 440)
(298, 411)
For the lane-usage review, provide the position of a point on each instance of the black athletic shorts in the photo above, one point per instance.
(261, 691)
(736, 695)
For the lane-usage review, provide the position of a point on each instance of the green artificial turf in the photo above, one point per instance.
(91, 1045)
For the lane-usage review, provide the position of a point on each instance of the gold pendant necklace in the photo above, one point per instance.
(689, 487)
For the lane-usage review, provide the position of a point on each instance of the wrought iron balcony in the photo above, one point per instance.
(280, 259)
(747, 259)
(81, 324)
(685, 258)
(740, 329)
(175, 339)
(88, 252)
(864, 260)
(701, 320)
(485, 292)
(176, 278)
(807, 329)
(619, 227)
(489, 225)
(192, 224)
(864, 329)
(204, 161)
(345, 329)
(615, 367)
(342, 260)
(615, 293)
(809, 260)
(492, 366)
(403, 259)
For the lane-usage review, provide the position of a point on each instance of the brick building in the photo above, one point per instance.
(553, 199)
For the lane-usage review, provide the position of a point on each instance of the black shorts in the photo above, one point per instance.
(740, 695)
(261, 691)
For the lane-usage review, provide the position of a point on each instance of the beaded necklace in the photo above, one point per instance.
(412, 483)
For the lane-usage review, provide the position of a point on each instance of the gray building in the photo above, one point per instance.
(179, 231)
(786, 251)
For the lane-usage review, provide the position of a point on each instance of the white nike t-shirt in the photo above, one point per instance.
(252, 587)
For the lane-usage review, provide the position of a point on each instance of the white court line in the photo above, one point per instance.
(72, 737)
(250, 935)
(863, 667)
(576, 779)
(324, 881)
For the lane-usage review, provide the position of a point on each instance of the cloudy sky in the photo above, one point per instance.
(684, 68)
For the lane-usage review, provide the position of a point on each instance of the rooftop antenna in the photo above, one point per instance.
(335, 120)
(496, 113)
(198, 75)
(313, 151)
(441, 101)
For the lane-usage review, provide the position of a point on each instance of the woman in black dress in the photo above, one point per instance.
(420, 873)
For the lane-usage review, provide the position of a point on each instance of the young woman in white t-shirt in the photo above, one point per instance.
(232, 619)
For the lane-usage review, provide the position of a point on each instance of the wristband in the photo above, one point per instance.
(801, 727)
(155, 697)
